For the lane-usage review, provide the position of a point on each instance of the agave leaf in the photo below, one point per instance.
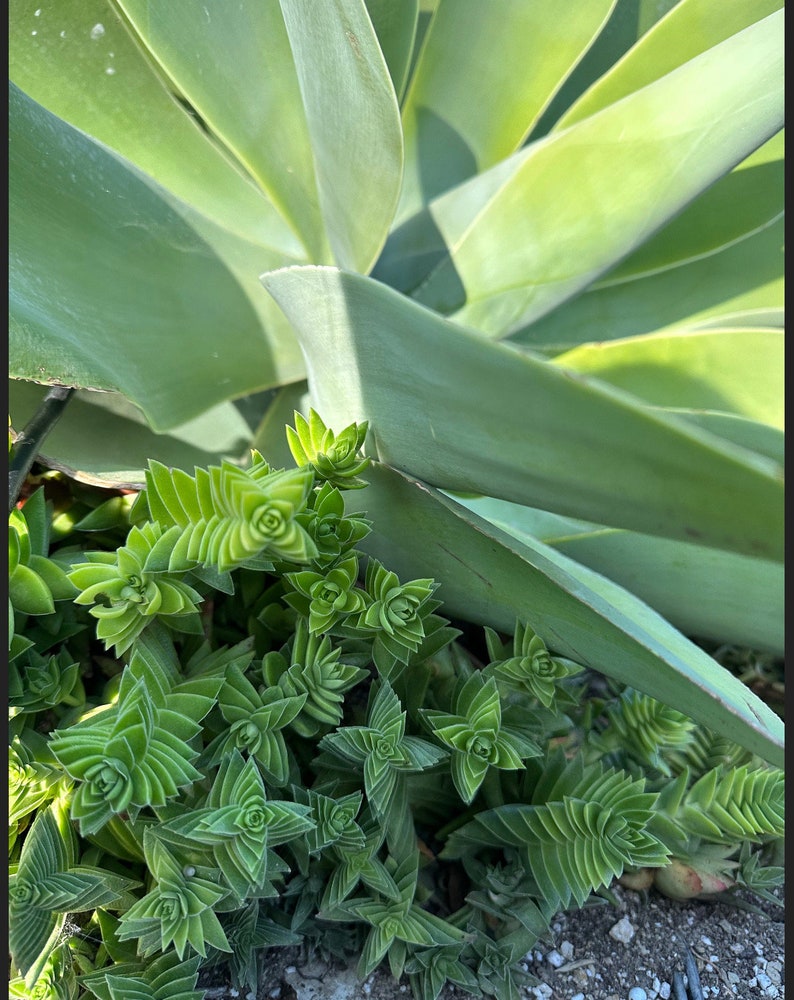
(74, 322)
(701, 591)
(738, 371)
(758, 437)
(395, 25)
(452, 129)
(322, 137)
(489, 577)
(502, 269)
(507, 424)
(104, 439)
(353, 121)
(688, 29)
(741, 284)
(741, 204)
(80, 62)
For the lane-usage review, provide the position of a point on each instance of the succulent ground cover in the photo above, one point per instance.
(228, 735)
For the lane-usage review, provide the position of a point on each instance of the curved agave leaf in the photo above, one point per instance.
(738, 371)
(489, 577)
(743, 281)
(329, 156)
(702, 591)
(105, 440)
(503, 271)
(508, 424)
(688, 29)
(79, 325)
(451, 132)
(80, 62)
(395, 25)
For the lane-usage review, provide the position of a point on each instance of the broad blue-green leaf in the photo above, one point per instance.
(504, 269)
(703, 592)
(395, 25)
(760, 438)
(629, 20)
(738, 206)
(490, 577)
(738, 371)
(78, 60)
(102, 438)
(105, 318)
(321, 136)
(353, 121)
(213, 56)
(688, 29)
(464, 413)
(484, 74)
(743, 282)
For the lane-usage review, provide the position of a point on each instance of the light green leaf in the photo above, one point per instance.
(503, 271)
(268, 136)
(80, 62)
(461, 118)
(353, 123)
(702, 591)
(738, 371)
(743, 281)
(738, 206)
(104, 439)
(395, 25)
(689, 29)
(74, 322)
(512, 425)
(489, 577)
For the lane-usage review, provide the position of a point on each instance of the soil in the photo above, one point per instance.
(737, 953)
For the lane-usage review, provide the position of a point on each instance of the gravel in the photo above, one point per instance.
(738, 954)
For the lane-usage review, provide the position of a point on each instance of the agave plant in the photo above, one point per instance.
(538, 250)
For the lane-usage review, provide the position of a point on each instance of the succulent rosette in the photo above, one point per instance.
(133, 585)
(531, 669)
(334, 457)
(327, 598)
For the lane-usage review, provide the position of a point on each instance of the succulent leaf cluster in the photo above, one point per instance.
(283, 744)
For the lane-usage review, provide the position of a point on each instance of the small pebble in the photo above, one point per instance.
(763, 980)
(637, 993)
(664, 991)
(566, 949)
(656, 984)
(578, 996)
(706, 940)
(555, 958)
(622, 931)
(290, 970)
(276, 993)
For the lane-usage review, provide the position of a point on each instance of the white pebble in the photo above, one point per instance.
(763, 980)
(97, 31)
(290, 970)
(706, 940)
(578, 996)
(637, 993)
(555, 958)
(366, 988)
(566, 949)
(656, 985)
(664, 991)
(276, 993)
(622, 931)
